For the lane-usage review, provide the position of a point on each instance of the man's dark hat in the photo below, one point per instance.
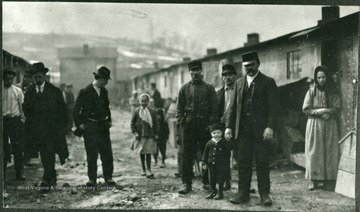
(9, 70)
(103, 72)
(194, 64)
(249, 57)
(228, 69)
(39, 67)
(216, 126)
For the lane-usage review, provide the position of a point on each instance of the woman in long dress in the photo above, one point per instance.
(322, 150)
(145, 128)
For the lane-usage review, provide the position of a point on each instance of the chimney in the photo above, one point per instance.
(329, 14)
(186, 59)
(211, 51)
(86, 49)
(252, 38)
(156, 65)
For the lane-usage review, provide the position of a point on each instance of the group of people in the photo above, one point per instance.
(240, 117)
(38, 118)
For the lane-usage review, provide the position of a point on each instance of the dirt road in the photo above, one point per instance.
(134, 191)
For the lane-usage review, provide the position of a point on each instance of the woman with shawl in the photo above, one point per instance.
(322, 150)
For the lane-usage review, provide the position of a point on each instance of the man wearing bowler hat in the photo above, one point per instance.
(45, 125)
(92, 118)
(224, 95)
(251, 118)
(13, 122)
(197, 108)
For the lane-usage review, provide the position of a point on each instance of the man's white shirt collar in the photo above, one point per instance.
(250, 79)
(41, 87)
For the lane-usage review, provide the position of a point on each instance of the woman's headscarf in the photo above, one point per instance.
(327, 85)
(144, 113)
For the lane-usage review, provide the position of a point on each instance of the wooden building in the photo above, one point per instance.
(17, 63)
(290, 59)
(77, 65)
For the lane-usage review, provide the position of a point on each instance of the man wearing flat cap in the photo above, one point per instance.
(92, 119)
(197, 108)
(229, 76)
(13, 122)
(251, 118)
(45, 109)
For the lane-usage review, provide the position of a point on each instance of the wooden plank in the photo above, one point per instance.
(347, 164)
(357, 173)
(298, 159)
(345, 184)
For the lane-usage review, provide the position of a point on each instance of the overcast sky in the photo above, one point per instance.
(216, 26)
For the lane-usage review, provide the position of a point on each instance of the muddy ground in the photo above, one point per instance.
(133, 191)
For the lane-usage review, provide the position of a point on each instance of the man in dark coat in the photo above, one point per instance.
(252, 115)
(92, 118)
(156, 96)
(45, 124)
(228, 75)
(197, 108)
(24, 85)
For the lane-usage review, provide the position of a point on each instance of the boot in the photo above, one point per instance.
(19, 175)
(212, 195)
(266, 200)
(227, 185)
(220, 195)
(186, 188)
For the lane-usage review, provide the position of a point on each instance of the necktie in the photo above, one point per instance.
(39, 89)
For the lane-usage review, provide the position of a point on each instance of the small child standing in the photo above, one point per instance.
(162, 137)
(145, 128)
(215, 156)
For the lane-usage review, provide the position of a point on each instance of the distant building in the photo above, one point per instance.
(17, 63)
(77, 65)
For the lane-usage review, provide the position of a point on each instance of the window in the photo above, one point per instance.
(293, 65)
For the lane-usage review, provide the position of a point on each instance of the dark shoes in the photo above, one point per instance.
(91, 183)
(186, 188)
(110, 182)
(219, 196)
(20, 177)
(240, 198)
(212, 195)
(150, 176)
(227, 185)
(266, 200)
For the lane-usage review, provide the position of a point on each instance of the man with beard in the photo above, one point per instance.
(197, 108)
(252, 115)
(45, 124)
(13, 122)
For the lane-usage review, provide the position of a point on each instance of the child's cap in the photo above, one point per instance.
(216, 126)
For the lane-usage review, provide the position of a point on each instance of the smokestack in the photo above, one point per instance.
(86, 49)
(211, 51)
(186, 59)
(252, 38)
(329, 14)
